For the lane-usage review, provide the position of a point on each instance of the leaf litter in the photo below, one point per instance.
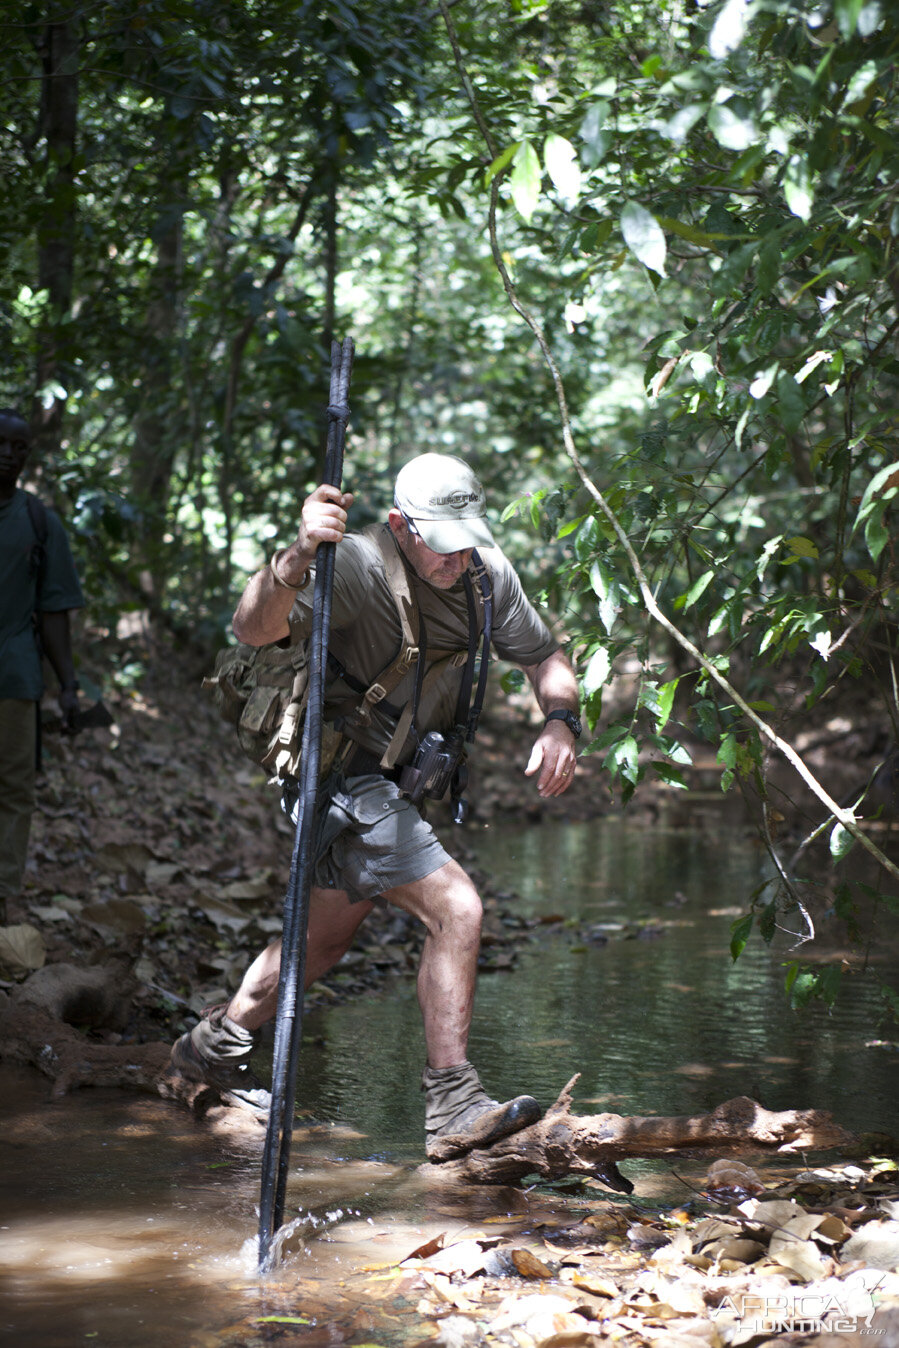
(814, 1257)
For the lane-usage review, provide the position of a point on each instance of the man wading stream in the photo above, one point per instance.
(372, 844)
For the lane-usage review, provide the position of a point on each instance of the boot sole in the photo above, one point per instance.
(518, 1114)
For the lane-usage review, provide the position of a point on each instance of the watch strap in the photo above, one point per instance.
(571, 719)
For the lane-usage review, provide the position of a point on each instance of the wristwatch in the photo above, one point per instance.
(570, 718)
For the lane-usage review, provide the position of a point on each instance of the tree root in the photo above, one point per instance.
(37, 1029)
(42, 1025)
(563, 1143)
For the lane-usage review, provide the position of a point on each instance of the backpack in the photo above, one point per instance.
(263, 690)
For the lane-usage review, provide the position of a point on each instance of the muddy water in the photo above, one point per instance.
(124, 1221)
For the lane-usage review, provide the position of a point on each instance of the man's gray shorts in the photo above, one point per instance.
(369, 838)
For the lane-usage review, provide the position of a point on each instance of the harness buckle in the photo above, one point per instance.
(375, 694)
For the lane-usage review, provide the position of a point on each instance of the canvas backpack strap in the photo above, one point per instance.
(480, 619)
(409, 618)
(455, 660)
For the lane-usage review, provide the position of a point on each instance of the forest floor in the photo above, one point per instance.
(158, 847)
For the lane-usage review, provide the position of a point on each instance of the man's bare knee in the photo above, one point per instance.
(465, 908)
(445, 901)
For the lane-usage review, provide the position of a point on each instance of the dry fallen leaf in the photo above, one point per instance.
(644, 1237)
(221, 912)
(606, 1224)
(832, 1230)
(528, 1265)
(426, 1250)
(22, 949)
(465, 1257)
(122, 916)
(597, 1285)
(125, 856)
(732, 1179)
(443, 1288)
(713, 1228)
(160, 873)
(739, 1248)
(801, 1257)
(875, 1244)
(572, 1338)
(257, 888)
(773, 1214)
(669, 1258)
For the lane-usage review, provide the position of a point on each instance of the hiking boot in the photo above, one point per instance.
(459, 1114)
(217, 1052)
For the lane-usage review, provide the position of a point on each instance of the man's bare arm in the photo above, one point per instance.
(264, 608)
(56, 639)
(553, 754)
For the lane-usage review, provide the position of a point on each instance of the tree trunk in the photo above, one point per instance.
(56, 229)
(155, 427)
(158, 434)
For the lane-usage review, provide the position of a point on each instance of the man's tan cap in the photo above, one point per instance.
(445, 502)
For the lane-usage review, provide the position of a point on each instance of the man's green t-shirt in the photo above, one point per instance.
(366, 634)
(20, 662)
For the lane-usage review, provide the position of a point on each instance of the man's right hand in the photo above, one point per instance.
(262, 614)
(323, 520)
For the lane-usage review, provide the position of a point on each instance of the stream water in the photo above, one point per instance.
(124, 1221)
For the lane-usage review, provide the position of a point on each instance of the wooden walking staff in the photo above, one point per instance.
(289, 1021)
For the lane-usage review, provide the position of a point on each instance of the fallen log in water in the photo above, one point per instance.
(563, 1143)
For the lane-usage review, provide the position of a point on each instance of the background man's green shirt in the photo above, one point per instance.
(20, 663)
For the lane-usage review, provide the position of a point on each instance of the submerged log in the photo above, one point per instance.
(563, 1143)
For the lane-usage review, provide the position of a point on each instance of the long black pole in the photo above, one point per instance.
(289, 1021)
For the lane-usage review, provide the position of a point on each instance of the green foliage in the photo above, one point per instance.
(731, 236)
(804, 983)
(739, 935)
